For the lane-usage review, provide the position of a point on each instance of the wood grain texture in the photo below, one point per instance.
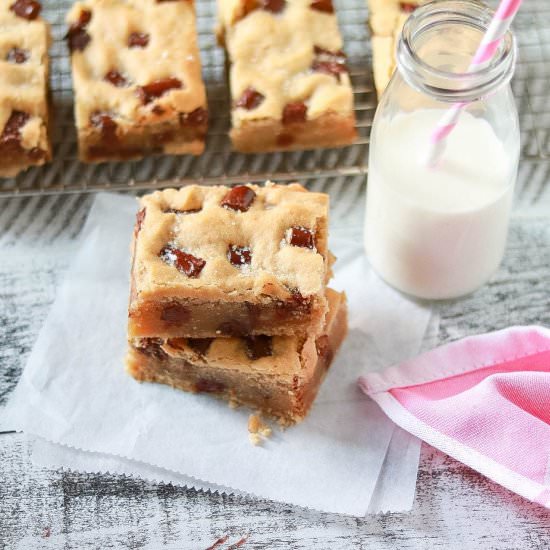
(455, 507)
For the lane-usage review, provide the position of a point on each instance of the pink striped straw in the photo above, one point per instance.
(498, 27)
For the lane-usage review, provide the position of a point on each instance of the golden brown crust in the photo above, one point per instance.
(329, 130)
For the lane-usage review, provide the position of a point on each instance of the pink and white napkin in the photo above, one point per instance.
(484, 400)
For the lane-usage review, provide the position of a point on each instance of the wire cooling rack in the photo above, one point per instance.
(531, 83)
(219, 164)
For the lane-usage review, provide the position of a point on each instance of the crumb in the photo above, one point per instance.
(258, 429)
(265, 431)
(284, 423)
(254, 423)
(255, 439)
(233, 403)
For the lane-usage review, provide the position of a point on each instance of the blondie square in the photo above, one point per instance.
(278, 375)
(289, 82)
(24, 116)
(386, 19)
(137, 78)
(220, 261)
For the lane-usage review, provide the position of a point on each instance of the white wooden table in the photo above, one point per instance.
(455, 507)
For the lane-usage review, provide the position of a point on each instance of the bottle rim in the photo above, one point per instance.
(446, 85)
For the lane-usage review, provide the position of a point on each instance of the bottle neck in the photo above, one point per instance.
(437, 44)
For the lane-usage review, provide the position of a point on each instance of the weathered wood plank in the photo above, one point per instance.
(455, 509)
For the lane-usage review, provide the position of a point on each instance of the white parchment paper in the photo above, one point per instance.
(74, 391)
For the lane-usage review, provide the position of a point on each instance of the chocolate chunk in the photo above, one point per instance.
(198, 117)
(332, 63)
(157, 88)
(274, 6)
(322, 5)
(178, 343)
(77, 36)
(10, 138)
(138, 40)
(185, 263)
(17, 55)
(12, 129)
(250, 99)
(407, 7)
(258, 346)
(151, 347)
(200, 345)
(333, 68)
(296, 305)
(301, 236)
(106, 125)
(84, 18)
(233, 328)
(36, 153)
(27, 9)
(248, 6)
(321, 52)
(209, 386)
(102, 120)
(239, 198)
(294, 112)
(239, 255)
(300, 302)
(175, 313)
(116, 79)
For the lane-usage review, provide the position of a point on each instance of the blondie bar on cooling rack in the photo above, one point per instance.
(137, 79)
(289, 82)
(24, 113)
(386, 19)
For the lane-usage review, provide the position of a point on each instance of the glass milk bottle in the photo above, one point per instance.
(440, 232)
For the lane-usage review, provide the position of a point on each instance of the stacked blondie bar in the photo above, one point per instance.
(228, 295)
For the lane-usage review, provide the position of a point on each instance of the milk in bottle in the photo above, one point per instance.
(440, 232)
